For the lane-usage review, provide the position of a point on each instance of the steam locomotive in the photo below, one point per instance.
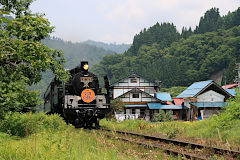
(80, 101)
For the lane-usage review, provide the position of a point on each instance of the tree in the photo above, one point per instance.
(115, 105)
(210, 22)
(23, 57)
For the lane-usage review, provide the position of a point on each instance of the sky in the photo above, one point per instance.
(117, 21)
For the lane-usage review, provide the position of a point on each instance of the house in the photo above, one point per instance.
(179, 111)
(203, 99)
(133, 81)
(135, 93)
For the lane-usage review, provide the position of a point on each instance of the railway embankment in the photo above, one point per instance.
(206, 132)
(221, 131)
(40, 136)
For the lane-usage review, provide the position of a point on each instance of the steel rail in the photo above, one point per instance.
(220, 151)
(158, 146)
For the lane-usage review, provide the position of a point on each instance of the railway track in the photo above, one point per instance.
(187, 149)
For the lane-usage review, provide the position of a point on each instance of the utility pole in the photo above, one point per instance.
(159, 83)
(238, 77)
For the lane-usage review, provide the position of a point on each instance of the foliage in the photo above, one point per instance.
(155, 117)
(73, 144)
(222, 130)
(172, 133)
(231, 115)
(118, 48)
(23, 57)
(210, 21)
(14, 97)
(163, 34)
(159, 117)
(161, 53)
(186, 61)
(169, 115)
(162, 116)
(74, 53)
(116, 105)
(18, 124)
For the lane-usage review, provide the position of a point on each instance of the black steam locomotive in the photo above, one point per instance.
(80, 101)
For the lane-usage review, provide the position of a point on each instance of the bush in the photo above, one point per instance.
(159, 117)
(19, 124)
(169, 115)
(155, 117)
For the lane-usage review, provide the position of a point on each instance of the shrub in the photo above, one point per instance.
(155, 117)
(159, 117)
(162, 116)
(172, 133)
(19, 124)
(169, 115)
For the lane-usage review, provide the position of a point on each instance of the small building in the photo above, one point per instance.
(179, 111)
(203, 99)
(135, 93)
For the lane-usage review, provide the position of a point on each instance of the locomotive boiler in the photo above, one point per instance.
(80, 101)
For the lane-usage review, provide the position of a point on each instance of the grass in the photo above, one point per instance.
(71, 144)
(206, 131)
(49, 138)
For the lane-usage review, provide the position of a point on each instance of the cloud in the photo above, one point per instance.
(126, 10)
(119, 20)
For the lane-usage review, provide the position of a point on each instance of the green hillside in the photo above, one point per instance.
(74, 53)
(118, 48)
(178, 59)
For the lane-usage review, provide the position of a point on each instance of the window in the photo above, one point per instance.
(142, 112)
(135, 95)
(133, 111)
(133, 80)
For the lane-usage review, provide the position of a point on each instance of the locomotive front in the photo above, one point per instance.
(84, 102)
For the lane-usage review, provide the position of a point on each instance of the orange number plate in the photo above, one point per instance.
(88, 95)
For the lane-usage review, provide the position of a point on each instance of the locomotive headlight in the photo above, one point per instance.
(85, 67)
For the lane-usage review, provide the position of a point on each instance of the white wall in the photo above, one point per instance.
(125, 85)
(210, 96)
(142, 98)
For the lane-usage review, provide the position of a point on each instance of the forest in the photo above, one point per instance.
(176, 58)
(74, 53)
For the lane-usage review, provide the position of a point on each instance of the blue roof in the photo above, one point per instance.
(160, 106)
(232, 91)
(194, 89)
(163, 96)
(136, 105)
(208, 104)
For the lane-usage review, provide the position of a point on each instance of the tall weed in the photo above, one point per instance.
(19, 124)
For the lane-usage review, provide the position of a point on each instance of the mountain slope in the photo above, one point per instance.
(162, 53)
(118, 48)
(74, 54)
